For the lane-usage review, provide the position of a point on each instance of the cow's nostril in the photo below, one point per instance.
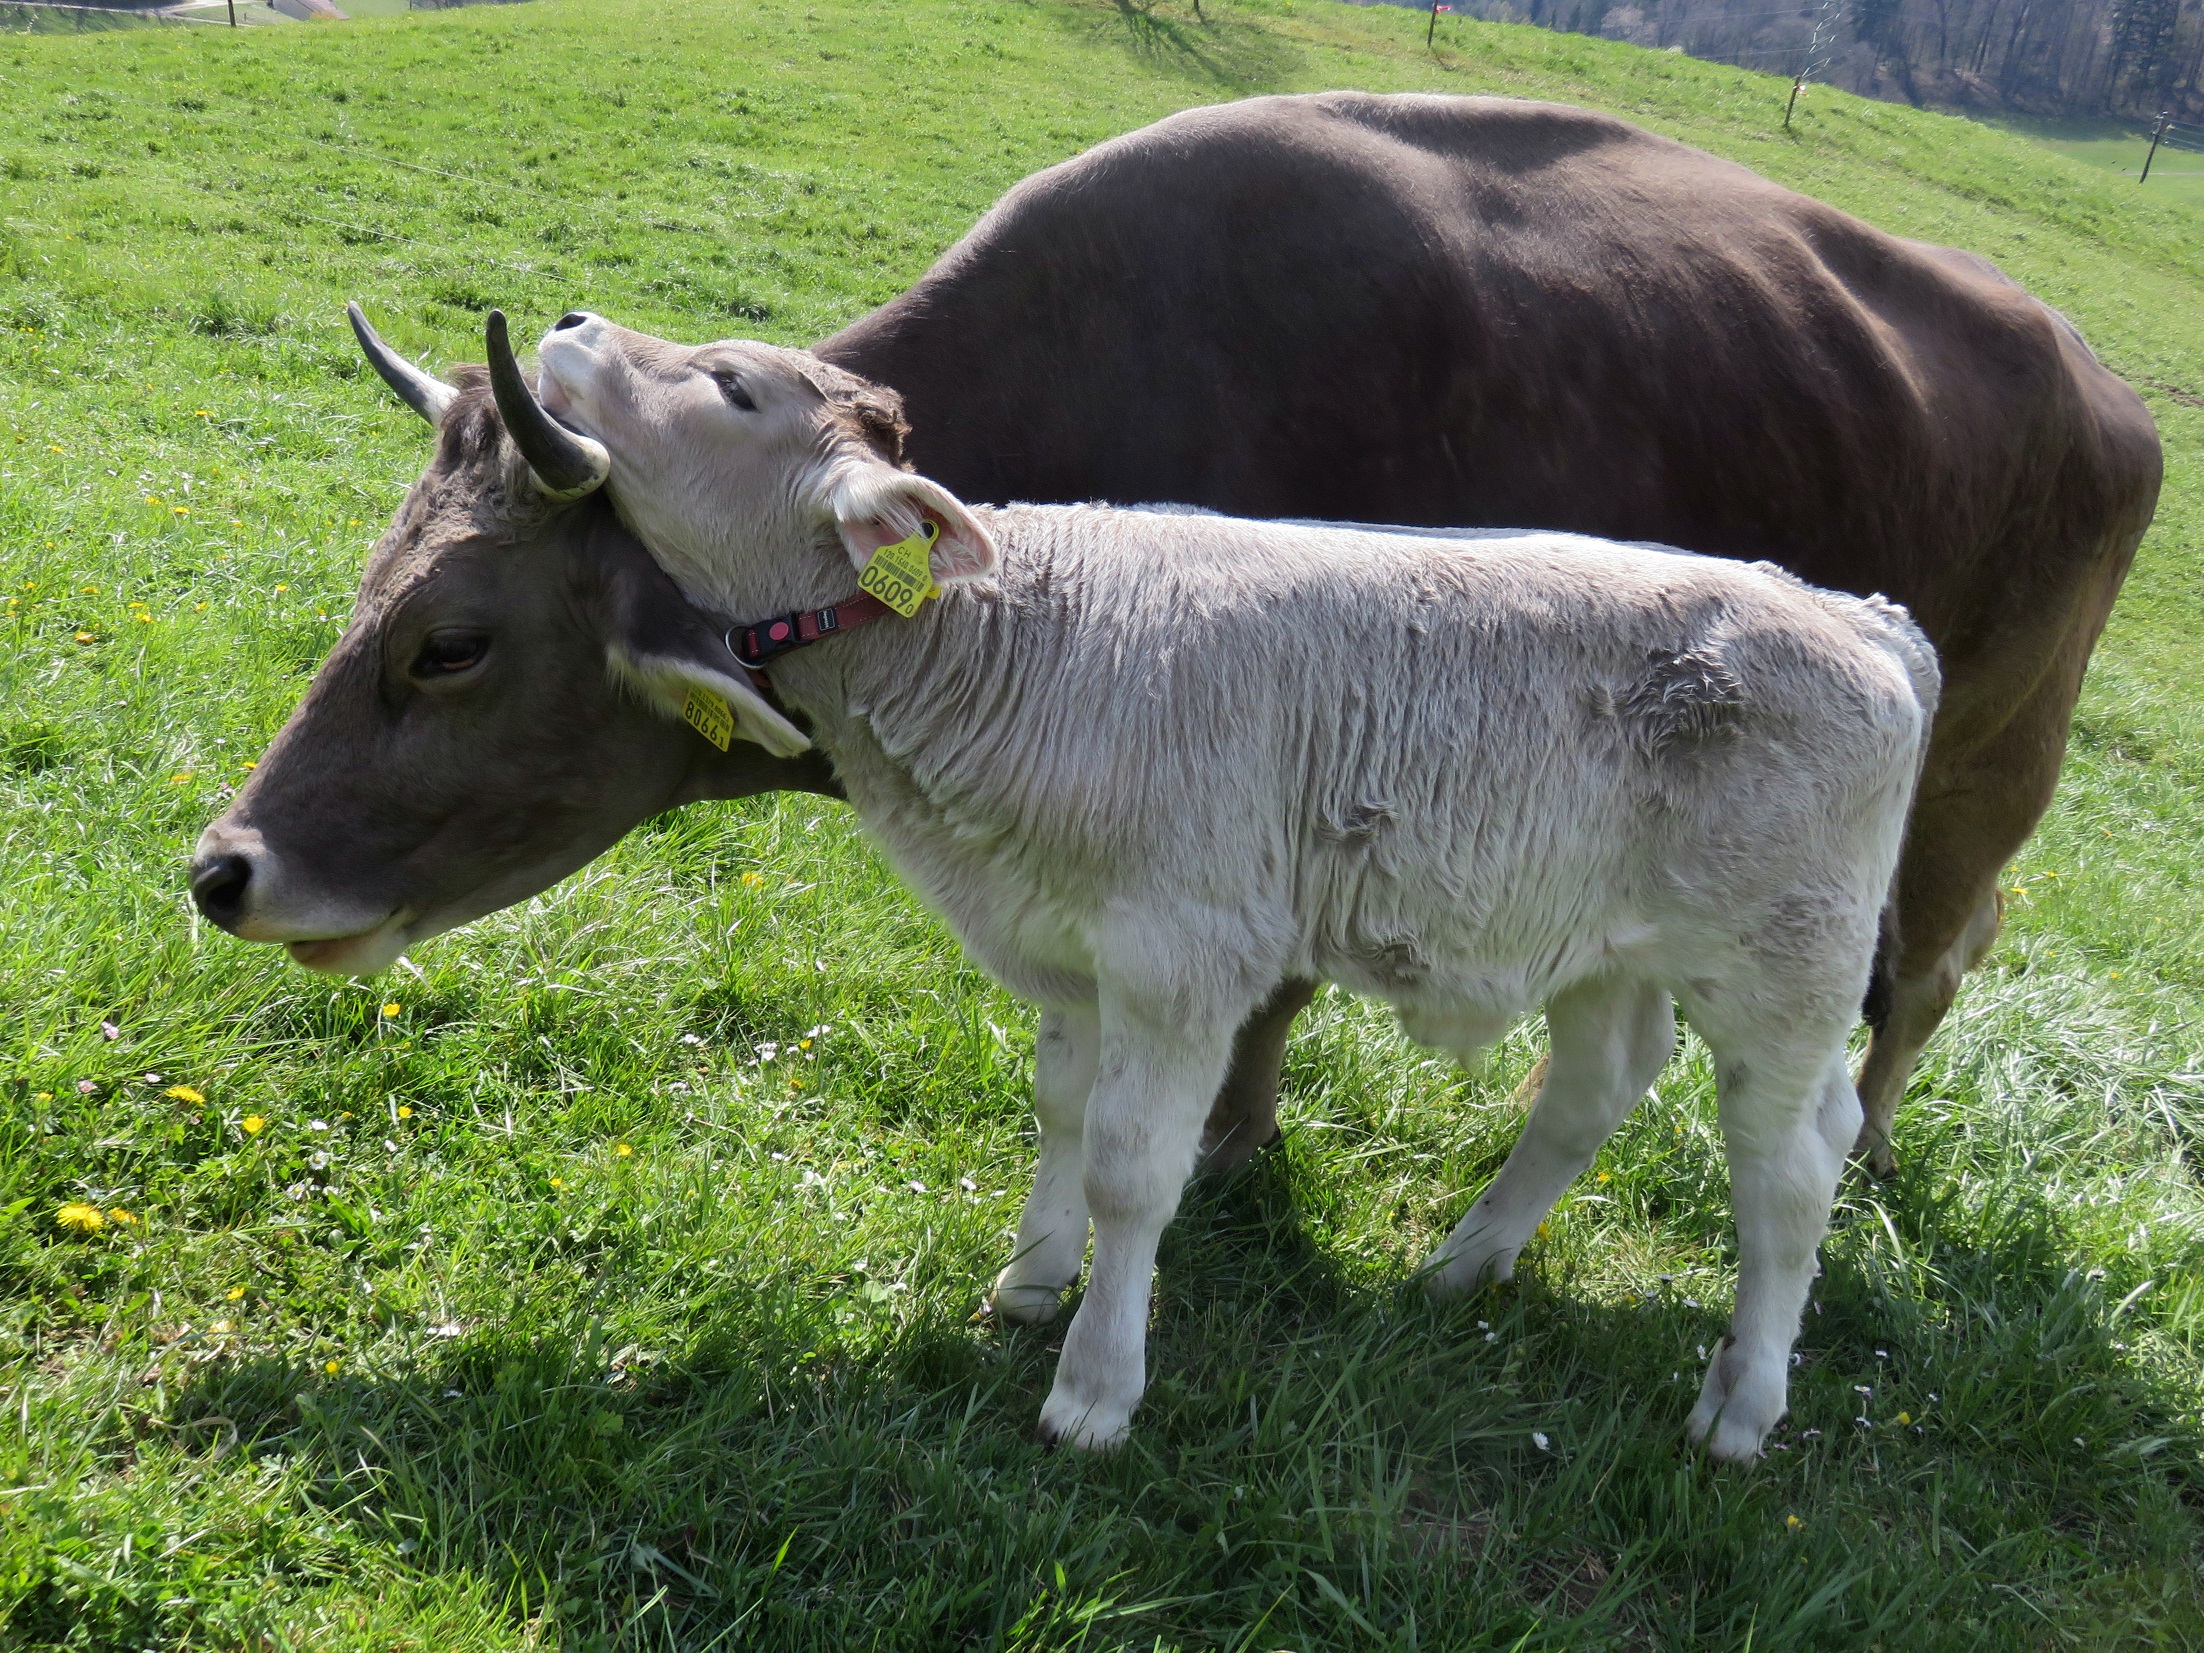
(218, 884)
(573, 318)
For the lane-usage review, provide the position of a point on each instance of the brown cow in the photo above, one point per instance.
(1413, 309)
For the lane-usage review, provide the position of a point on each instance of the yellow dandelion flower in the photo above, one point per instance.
(116, 1214)
(405, 1113)
(183, 1093)
(235, 1294)
(1905, 1417)
(88, 591)
(332, 1367)
(1603, 1177)
(143, 619)
(1542, 1230)
(45, 1096)
(558, 1182)
(753, 878)
(623, 1152)
(181, 776)
(86, 637)
(1792, 1523)
(803, 1044)
(181, 510)
(252, 1124)
(198, 608)
(391, 1009)
(84, 1219)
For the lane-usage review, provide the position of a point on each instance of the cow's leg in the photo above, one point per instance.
(1610, 1037)
(1917, 1003)
(1974, 809)
(1159, 1070)
(1788, 1115)
(1052, 1231)
(1244, 1119)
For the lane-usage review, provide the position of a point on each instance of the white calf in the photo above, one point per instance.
(1149, 766)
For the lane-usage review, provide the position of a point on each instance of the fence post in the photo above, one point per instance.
(2165, 119)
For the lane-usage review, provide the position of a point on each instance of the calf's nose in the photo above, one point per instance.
(219, 884)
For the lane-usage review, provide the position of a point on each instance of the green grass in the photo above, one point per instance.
(572, 1303)
(2119, 146)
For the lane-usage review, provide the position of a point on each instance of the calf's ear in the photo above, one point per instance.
(876, 505)
(666, 650)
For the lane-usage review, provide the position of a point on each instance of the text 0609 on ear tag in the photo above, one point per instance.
(902, 575)
(708, 715)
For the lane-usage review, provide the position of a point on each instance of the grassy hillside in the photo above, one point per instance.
(605, 1276)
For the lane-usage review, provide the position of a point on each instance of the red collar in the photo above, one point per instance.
(756, 646)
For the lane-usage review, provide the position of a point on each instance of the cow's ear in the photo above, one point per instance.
(675, 657)
(876, 505)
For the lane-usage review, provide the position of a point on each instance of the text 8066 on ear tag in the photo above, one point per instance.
(902, 575)
(708, 715)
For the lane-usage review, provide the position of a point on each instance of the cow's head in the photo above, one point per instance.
(504, 705)
(763, 479)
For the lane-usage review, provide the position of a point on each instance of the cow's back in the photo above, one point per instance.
(1438, 310)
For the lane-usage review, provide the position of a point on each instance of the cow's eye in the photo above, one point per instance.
(445, 653)
(731, 386)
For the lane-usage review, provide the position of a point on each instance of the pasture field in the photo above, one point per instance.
(2176, 174)
(605, 1276)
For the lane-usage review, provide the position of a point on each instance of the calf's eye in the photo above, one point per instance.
(444, 653)
(731, 387)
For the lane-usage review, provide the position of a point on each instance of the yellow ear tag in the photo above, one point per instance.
(902, 575)
(708, 715)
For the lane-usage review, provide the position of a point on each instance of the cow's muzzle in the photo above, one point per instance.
(244, 886)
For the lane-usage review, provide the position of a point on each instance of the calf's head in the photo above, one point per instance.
(761, 478)
(503, 706)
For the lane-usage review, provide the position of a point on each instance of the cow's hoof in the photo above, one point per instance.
(1237, 1149)
(1083, 1425)
(1874, 1154)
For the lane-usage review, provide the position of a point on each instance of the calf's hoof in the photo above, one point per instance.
(1023, 1304)
(1737, 1407)
(1450, 1273)
(1086, 1426)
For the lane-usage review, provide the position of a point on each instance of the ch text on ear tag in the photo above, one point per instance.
(902, 575)
(708, 715)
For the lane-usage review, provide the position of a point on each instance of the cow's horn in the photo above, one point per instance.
(426, 396)
(566, 463)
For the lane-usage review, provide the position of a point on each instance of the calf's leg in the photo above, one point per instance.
(1610, 1038)
(1157, 1075)
(1786, 1122)
(1052, 1230)
(1244, 1119)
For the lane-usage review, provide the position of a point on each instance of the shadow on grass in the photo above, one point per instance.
(1215, 50)
(1322, 1457)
